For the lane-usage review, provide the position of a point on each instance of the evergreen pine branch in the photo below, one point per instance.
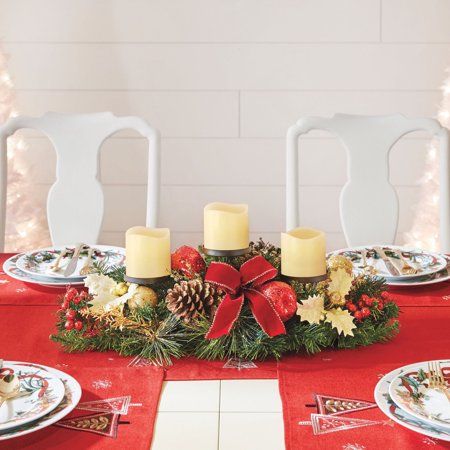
(117, 273)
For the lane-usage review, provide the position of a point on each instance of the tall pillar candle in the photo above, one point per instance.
(147, 253)
(226, 229)
(303, 254)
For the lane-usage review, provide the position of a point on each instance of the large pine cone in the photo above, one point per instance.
(191, 299)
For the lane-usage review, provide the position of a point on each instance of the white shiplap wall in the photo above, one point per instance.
(223, 80)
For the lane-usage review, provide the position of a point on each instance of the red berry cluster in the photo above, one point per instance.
(366, 305)
(72, 298)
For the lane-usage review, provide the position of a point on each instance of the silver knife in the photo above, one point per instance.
(70, 269)
(387, 262)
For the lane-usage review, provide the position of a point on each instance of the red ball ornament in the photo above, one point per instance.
(365, 312)
(68, 325)
(188, 261)
(78, 325)
(282, 297)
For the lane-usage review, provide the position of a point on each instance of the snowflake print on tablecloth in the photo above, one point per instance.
(4, 281)
(101, 384)
(353, 447)
(139, 361)
(429, 441)
(21, 290)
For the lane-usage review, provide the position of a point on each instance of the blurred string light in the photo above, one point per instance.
(25, 222)
(425, 229)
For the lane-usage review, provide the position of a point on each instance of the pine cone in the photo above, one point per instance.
(190, 299)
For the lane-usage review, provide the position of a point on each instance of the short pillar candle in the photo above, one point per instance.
(226, 229)
(147, 254)
(303, 254)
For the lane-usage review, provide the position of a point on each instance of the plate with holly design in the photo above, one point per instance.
(411, 391)
(40, 393)
(10, 268)
(70, 399)
(393, 410)
(50, 263)
(430, 267)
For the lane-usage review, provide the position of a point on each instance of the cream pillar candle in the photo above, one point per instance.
(303, 253)
(147, 252)
(226, 227)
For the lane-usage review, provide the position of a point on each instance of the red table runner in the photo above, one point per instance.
(27, 318)
(352, 375)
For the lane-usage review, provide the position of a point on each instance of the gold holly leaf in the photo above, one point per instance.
(342, 320)
(340, 285)
(311, 310)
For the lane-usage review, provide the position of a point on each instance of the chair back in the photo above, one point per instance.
(75, 202)
(368, 202)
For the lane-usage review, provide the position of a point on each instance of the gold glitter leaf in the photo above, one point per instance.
(311, 310)
(342, 320)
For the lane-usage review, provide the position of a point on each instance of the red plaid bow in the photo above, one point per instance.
(240, 285)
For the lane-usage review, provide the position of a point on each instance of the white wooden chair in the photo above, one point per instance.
(75, 202)
(368, 192)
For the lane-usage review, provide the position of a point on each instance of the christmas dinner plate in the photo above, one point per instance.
(410, 391)
(70, 399)
(40, 263)
(432, 267)
(10, 268)
(40, 392)
(393, 411)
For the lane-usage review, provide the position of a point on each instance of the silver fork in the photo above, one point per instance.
(436, 378)
(88, 266)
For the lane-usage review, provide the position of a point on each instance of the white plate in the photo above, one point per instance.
(429, 263)
(9, 267)
(45, 390)
(387, 405)
(37, 263)
(72, 395)
(432, 406)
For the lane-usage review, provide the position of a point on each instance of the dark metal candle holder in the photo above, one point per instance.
(145, 281)
(238, 252)
(306, 280)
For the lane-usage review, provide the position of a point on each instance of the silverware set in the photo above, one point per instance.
(436, 378)
(88, 266)
(405, 269)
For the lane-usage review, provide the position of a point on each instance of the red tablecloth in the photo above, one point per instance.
(27, 317)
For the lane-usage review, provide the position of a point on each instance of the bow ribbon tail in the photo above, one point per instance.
(226, 314)
(264, 313)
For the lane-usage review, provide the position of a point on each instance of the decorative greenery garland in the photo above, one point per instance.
(171, 319)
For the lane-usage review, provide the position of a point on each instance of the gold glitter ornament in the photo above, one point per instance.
(143, 296)
(120, 289)
(336, 262)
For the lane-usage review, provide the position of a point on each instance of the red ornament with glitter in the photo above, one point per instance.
(188, 261)
(282, 297)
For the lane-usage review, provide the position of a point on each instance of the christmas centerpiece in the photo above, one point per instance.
(230, 298)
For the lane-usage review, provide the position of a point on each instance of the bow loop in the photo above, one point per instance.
(257, 271)
(224, 276)
(252, 274)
